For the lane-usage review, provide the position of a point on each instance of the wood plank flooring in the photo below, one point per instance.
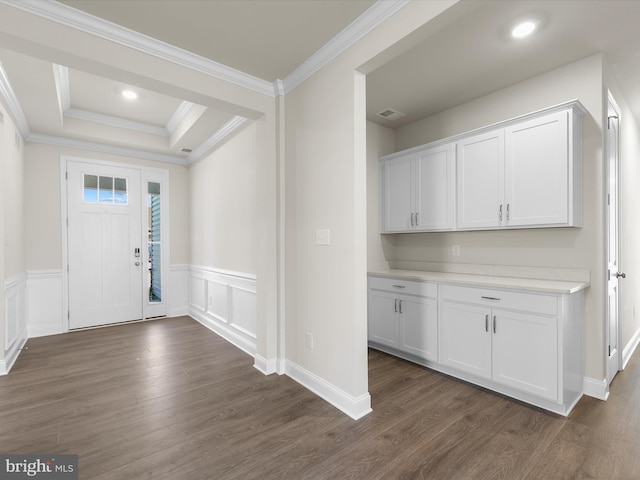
(169, 399)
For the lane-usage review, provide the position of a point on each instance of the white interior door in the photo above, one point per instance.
(613, 243)
(104, 240)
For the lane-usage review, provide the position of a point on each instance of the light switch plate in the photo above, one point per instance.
(323, 237)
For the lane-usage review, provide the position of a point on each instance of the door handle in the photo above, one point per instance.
(486, 323)
(621, 275)
(137, 264)
(395, 309)
(500, 213)
(400, 306)
(494, 324)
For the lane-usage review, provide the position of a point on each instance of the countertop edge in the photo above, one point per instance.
(509, 283)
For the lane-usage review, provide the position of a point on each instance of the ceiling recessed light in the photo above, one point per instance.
(524, 29)
(129, 94)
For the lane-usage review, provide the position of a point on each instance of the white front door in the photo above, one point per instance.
(105, 251)
(613, 243)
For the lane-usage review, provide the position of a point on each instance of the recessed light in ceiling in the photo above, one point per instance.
(524, 29)
(129, 94)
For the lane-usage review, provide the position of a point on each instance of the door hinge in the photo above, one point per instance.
(609, 121)
(68, 315)
(609, 350)
(66, 175)
(608, 274)
(608, 199)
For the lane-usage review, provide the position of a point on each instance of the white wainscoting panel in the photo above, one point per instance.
(15, 333)
(179, 291)
(45, 310)
(225, 302)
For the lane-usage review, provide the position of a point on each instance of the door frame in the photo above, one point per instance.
(618, 112)
(147, 174)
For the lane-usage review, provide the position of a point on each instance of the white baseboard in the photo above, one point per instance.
(630, 348)
(224, 331)
(266, 366)
(355, 407)
(596, 388)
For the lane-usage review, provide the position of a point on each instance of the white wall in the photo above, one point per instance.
(380, 141)
(325, 150)
(13, 331)
(43, 208)
(559, 247)
(222, 196)
(629, 222)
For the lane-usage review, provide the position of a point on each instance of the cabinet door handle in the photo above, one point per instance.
(486, 323)
(395, 308)
(398, 286)
(490, 298)
(417, 223)
(500, 213)
(507, 212)
(400, 306)
(494, 324)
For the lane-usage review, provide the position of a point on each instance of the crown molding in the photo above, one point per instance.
(99, 27)
(12, 104)
(116, 122)
(102, 148)
(380, 11)
(222, 133)
(178, 116)
(375, 15)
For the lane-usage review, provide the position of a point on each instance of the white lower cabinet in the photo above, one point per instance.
(523, 344)
(465, 342)
(403, 315)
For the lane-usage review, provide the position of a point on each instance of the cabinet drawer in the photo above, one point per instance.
(404, 287)
(528, 302)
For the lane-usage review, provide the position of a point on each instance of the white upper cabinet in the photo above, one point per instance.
(522, 173)
(434, 177)
(538, 167)
(397, 197)
(481, 180)
(417, 190)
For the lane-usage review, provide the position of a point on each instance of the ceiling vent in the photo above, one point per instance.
(391, 114)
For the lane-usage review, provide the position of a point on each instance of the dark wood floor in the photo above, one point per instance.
(170, 400)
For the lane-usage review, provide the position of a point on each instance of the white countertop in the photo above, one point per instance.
(531, 284)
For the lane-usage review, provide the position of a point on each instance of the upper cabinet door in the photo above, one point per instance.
(434, 178)
(537, 171)
(396, 196)
(481, 181)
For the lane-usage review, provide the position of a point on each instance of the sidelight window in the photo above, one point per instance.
(154, 277)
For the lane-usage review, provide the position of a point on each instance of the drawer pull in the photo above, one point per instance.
(489, 298)
(399, 286)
